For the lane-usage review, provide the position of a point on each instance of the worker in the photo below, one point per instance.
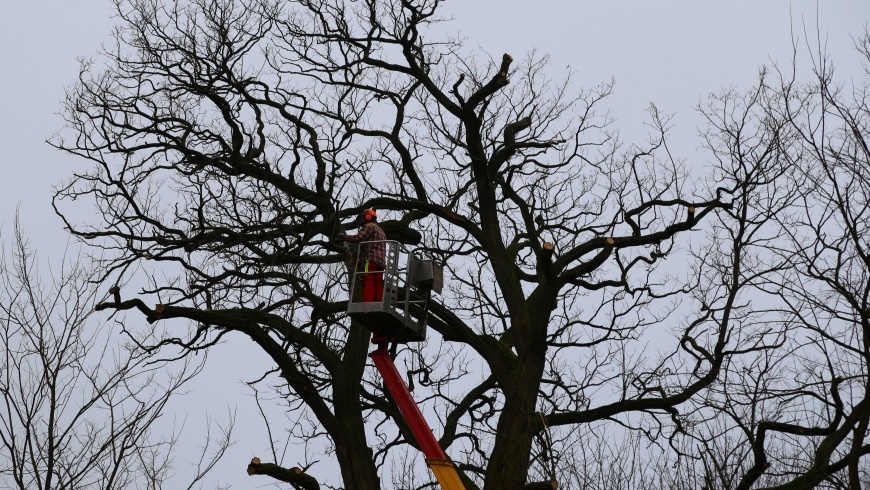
(372, 255)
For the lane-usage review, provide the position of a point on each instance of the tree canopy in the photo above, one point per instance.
(611, 311)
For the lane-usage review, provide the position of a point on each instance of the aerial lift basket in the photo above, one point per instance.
(408, 284)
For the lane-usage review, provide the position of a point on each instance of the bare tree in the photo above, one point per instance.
(232, 138)
(789, 409)
(824, 405)
(80, 407)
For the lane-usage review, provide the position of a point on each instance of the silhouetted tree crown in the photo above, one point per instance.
(614, 317)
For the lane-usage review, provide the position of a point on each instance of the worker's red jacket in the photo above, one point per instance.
(377, 251)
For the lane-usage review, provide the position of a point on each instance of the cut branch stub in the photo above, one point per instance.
(115, 291)
(505, 64)
(542, 485)
(511, 130)
(294, 476)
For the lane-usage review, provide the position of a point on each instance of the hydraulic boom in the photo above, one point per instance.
(436, 459)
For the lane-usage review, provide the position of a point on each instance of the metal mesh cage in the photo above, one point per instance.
(394, 316)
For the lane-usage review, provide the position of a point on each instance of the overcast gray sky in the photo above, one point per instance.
(666, 51)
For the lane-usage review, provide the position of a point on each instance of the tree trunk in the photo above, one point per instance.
(354, 455)
(508, 465)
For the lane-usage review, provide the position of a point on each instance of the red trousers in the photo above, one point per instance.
(372, 280)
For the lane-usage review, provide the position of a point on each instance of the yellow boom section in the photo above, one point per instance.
(445, 473)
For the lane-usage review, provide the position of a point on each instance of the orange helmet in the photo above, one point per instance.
(369, 215)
